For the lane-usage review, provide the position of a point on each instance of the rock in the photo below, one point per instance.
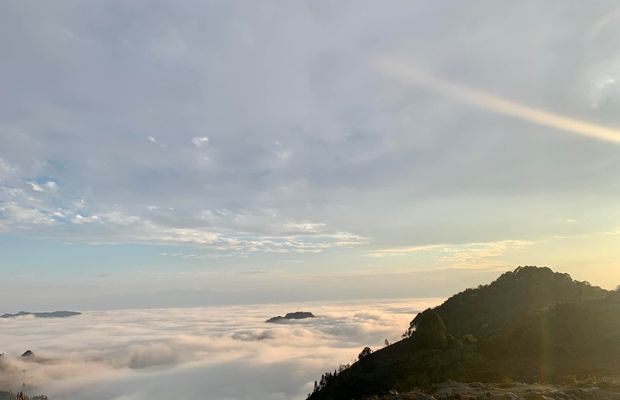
(291, 316)
(516, 391)
(27, 353)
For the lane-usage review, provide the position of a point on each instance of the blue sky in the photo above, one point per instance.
(222, 151)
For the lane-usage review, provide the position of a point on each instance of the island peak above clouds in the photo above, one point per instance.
(291, 316)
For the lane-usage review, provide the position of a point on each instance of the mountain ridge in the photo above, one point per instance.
(531, 325)
(46, 314)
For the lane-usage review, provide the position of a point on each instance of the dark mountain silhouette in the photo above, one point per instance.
(481, 310)
(529, 325)
(51, 314)
(290, 316)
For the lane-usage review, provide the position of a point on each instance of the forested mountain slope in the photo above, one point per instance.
(530, 325)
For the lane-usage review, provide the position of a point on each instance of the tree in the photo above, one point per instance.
(365, 353)
(428, 329)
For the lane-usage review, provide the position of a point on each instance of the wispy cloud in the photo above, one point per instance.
(469, 255)
(212, 234)
(45, 186)
(156, 141)
(200, 141)
(115, 218)
(6, 169)
(401, 251)
(18, 214)
(481, 255)
(614, 232)
(602, 23)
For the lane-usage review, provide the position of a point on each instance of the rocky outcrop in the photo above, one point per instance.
(516, 391)
(291, 316)
(27, 353)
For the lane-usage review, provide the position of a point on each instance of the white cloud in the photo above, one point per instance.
(304, 227)
(208, 232)
(28, 216)
(181, 235)
(151, 354)
(155, 141)
(114, 218)
(401, 251)
(481, 255)
(6, 169)
(79, 203)
(566, 221)
(614, 232)
(220, 230)
(81, 219)
(44, 186)
(200, 141)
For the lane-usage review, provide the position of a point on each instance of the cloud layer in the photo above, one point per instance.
(215, 353)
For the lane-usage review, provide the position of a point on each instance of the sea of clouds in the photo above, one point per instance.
(214, 353)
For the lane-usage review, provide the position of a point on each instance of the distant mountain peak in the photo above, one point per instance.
(50, 314)
(291, 316)
(527, 288)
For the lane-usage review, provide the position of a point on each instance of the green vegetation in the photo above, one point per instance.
(530, 325)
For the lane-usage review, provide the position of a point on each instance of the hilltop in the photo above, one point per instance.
(529, 325)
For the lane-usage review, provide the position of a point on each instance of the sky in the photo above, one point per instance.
(160, 153)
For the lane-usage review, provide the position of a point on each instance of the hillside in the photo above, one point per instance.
(529, 325)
